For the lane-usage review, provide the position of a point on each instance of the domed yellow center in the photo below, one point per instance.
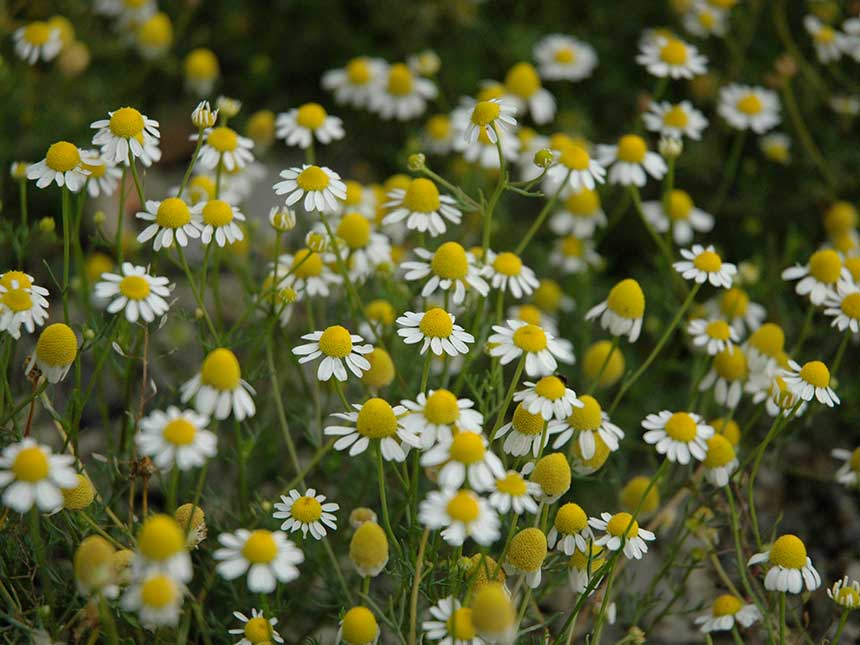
(126, 123)
(726, 605)
(485, 112)
(421, 196)
(550, 387)
(720, 452)
(37, 33)
(676, 117)
(768, 339)
(463, 507)
(359, 626)
(336, 342)
(564, 55)
(312, 178)
(179, 432)
(674, 52)
(134, 287)
(22, 279)
(172, 213)
(30, 465)
(354, 229)
(17, 300)
(731, 364)
(223, 139)
(588, 417)
(522, 80)
(825, 266)
(681, 427)
(63, 156)
(527, 423)
(441, 408)
(260, 547)
(508, 264)
(158, 591)
(400, 81)
(679, 205)
(632, 148)
(626, 299)
(376, 419)
(718, 330)
(572, 247)
(708, 261)
(221, 370)
(306, 264)
(617, 526)
(570, 519)
(439, 127)
(258, 630)
(450, 261)
(160, 537)
(57, 345)
(512, 484)
(529, 314)
(306, 509)
(460, 626)
(583, 203)
(530, 338)
(815, 373)
(217, 213)
(734, 302)
(358, 71)
(311, 116)
(749, 105)
(850, 305)
(788, 551)
(528, 549)
(467, 447)
(575, 157)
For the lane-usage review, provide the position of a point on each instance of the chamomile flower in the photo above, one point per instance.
(819, 276)
(549, 397)
(580, 215)
(552, 473)
(583, 565)
(629, 160)
(622, 531)
(677, 435)
(437, 135)
(358, 627)
(435, 416)
(720, 461)
(789, 568)
(776, 146)
(340, 349)
(843, 306)
(226, 147)
(176, 438)
(22, 302)
(736, 308)
(365, 249)
(493, 613)
(355, 82)
(524, 91)
(63, 165)
(622, 311)
(37, 40)
(436, 329)
(570, 531)
(726, 611)
(465, 458)
(219, 389)
(218, 222)
(172, 220)
(161, 548)
(95, 572)
(526, 554)
(564, 58)
(526, 432)
(829, 42)
(301, 125)
(451, 624)
(321, 188)
(845, 594)
(157, 600)
(368, 548)
(482, 151)
(779, 399)
(848, 473)
(126, 135)
(141, 295)
(506, 271)
(745, 107)
(671, 58)
(55, 352)
(256, 628)
(308, 273)
(678, 212)
(703, 19)
(514, 492)
(572, 254)
(460, 514)
(577, 167)
(400, 94)
(764, 348)
(812, 381)
(586, 422)
(31, 474)
(714, 335)
(268, 557)
(308, 512)
(422, 206)
(374, 419)
(488, 118)
(450, 269)
(702, 264)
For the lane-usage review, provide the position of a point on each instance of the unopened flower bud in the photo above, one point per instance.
(416, 161)
(99, 218)
(316, 242)
(282, 219)
(544, 158)
(204, 116)
(19, 170)
(670, 147)
(228, 107)
(47, 225)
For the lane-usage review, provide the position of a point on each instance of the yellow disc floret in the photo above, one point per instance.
(632, 148)
(134, 287)
(825, 266)
(681, 427)
(306, 509)
(359, 626)
(631, 496)
(708, 261)
(587, 417)
(552, 472)
(550, 387)
(460, 625)
(750, 105)
(570, 519)
(815, 373)
(679, 205)
(368, 548)
(726, 605)
(158, 591)
(492, 610)
(450, 261)
(463, 507)
(258, 630)
(436, 323)
(530, 338)
(312, 178)
(729, 429)
(179, 431)
(126, 123)
(31, 465)
(172, 213)
(376, 419)
(583, 203)
(57, 345)
(260, 547)
(221, 370)
(336, 342)
(63, 156)
(467, 447)
(527, 550)
(622, 525)
(400, 81)
(674, 52)
(769, 339)
(311, 115)
(354, 229)
(441, 408)
(626, 299)
(421, 196)
(508, 264)
(527, 423)
(381, 372)
(217, 213)
(485, 112)
(160, 537)
(80, 496)
(720, 452)
(522, 80)
(676, 117)
(595, 359)
(512, 484)
(788, 551)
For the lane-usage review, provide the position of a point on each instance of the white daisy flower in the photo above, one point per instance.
(64, 165)
(506, 271)
(451, 624)
(301, 125)
(726, 611)
(513, 492)
(374, 419)
(819, 276)
(436, 329)
(308, 512)
(489, 118)
(32, 475)
(677, 435)
(400, 94)
(156, 599)
(484, 152)
(530, 144)
(176, 437)
(354, 83)
(671, 58)
(218, 222)
(141, 295)
(268, 557)
(465, 458)
(103, 176)
(570, 531)
(789, 568)
(256, 628)
(745, 107)
(363, 249)
(829, 42)
(587, 422)
(622, 312)
(720, 462)
(460, 514)
(704, 19)
(162, 548)
(437, 134)
(321, 188)
(629, 160)
(127, 134)
(549, 397)
(219, 389)
(449, 268)
(702, 264)
(779, 398)
(524, 91)
(172, 219)
(340, 350)
(812, 381)
(776, 146)
(564, 58)
(848, 473)
(22, 302)
(714, 335)
(678, 212)
(422, 206)
(572, 254)
(224, 146)
(37, 40)
(541, 349)
(577, 167)
(527, 432)
(580, 216)
(734, 306)
(622, 531)
(308, 272)
(433, 417)
(55, 353)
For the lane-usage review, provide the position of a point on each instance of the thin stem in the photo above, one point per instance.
(416, 583)
(658, 241)
(425, 372)
(383, 499)
(120, 216)
(598, 627)
(730, 170)
(804, 330)
(341, 580)
(737, 636)
(494, 198)
(134, 176)
(840, 352)
(539, 220)
(279, 405)
(187, 175)
(842, 620)
(39, 548)
(508, 396)
(803, 133)
(22, 193)
(782, 618)
(67, 240)
(184, 263)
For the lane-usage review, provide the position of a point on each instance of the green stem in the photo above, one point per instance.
(22, 192)
(837, 360)
(737, 636)
(383, 499)
(539, 220)
(803, 133)
(134, 176)
(39, 548)
(279, 406)
(218, 170)
(120, 216)
(187, 175)
(67, 241)
(782, 618)
(842, 620)
(171, 491)
(108, 621)
(730, 170)
(804, 330)
(659, 242)
(425, 372)
(508, 396)
(184, 263)
(598, 626)
(341, 580)
(494, 198)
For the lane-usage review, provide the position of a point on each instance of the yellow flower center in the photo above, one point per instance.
(512, 484)
(681, 427)
(529, 314)
(217, 213)
(708, 261)
(359, 626)
(20, 277)
(467, 447)
(201, 64)
(463, 507)
(768, 339)
(632, 496)
(528, 549)
(580, 561)
(311, 116)
(400, 80)
(617, 526)
(731, 364)
(97, 171)
(588, 417)
(585, 202)
(550, 387)
(358, 71)
(522, 80)
(726, 605)
(369, 546)
(380, 311)
(564, 55)
(855, 460)
(17, 300)
(632, 148)
(825, 266)
(825, 35)
(160, 537)
(718, 330)
(840, 218)
(707, 20)
(57, 345)
(172, 213)
(134, 287)
(376, 419)
(312, 178)
(851, 305)
(354, 229)
(450, 261)
(720, 452)
(441, 408)
(485, 112)
(572, 246)
(552, 472)
(223, 139)
(575, 157)
(460, 626)
(508, 264)
(63, 156)
(570, 519)
(730, 430)
(734, 302)
(674, 52)
(788, 551)
(156, 32)
(306, 267)
(626, 299)
(680, 205)
(676, 117)
(527, 423)
(439, 127)
(847, 597)
(179, 432)
(37, 33)
(31, 465)
(260, 547)
(815, 373)
(336, 342)
(421, 196)
(258, 630)
(596, 360)
(750, 105)
(158, 591)
(126, 123)
(492, 610)
(548, 295)
(530, 338)
(221, 370)
(306, 510)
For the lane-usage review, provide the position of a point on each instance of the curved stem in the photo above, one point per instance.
(494, 198)
(120, 216)
(383, 499)
(187, 175)
(508, 396)
(539, 220)
(842, 620)
(134, 176)
(67, 240)
(416, 583)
